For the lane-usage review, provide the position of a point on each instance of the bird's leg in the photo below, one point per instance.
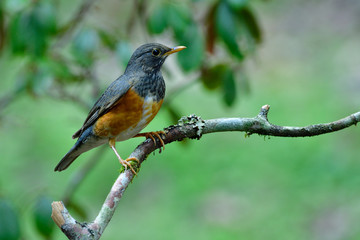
(125, 162)
(152, 135)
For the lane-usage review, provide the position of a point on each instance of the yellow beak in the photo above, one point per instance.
(174, 50)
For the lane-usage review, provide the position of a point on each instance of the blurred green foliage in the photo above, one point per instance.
(57, 56)
(59, 52)
(42, 216)
(9, 221)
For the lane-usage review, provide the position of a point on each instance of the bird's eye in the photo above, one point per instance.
(156, 52)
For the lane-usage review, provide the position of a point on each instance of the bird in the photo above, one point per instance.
(126, 107)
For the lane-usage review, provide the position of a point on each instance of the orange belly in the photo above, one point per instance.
(128, 117)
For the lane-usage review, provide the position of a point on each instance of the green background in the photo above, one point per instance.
(224, 186)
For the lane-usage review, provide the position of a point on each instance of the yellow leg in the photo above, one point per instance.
(152, 136)
(125, 162)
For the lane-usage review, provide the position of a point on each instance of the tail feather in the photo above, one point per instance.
(86, 141)
(67, 159)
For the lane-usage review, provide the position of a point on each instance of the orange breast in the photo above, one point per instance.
(128, 117)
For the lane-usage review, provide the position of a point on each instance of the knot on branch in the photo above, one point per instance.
(264, 112)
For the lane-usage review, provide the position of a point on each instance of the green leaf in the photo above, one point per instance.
(45, 15)
(107, 39)
(18, 41)
(30, 29)
(226, 29)
(247, 16)
(2, 26)
(191, 58)
(157, 21)
(212, 77)
(229, 88)
(237, 4)
(9, 222)
(42, 216)
(123, 52)
(1, 11)
(179, 18)
(84, 46)
(36, 37)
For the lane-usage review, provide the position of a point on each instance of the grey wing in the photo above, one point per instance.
(112, 94)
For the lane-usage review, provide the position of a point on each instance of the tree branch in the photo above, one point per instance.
(188, 127)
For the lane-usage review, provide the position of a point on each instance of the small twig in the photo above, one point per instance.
(188, 127)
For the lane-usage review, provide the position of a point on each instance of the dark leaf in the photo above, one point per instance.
(247, 16)
(210, 29)
(213, 77)
(9, 222)
(229, 88)
(45, 14)
(226, 29)
(29, 32)
(237, 4)
(178, 18)
(107, 39)
(42, 216)
(192, 57)
(157, 21)
(2, 26)
(18, 41)
(36, 37)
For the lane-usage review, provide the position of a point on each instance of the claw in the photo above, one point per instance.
(152, 136)
(125, 162)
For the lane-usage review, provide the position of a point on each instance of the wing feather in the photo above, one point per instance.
(112, 94)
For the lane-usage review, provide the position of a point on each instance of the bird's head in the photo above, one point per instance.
(150, 57)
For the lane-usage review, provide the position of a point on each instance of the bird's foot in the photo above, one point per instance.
(152, 136)
(126, 163)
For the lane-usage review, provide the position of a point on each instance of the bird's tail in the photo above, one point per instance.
(85, 142)
(68, 158)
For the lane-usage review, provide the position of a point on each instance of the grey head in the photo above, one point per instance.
(149, 58)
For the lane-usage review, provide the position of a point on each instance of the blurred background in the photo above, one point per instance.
(301, 57)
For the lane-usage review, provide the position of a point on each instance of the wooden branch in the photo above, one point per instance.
(188, 127)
